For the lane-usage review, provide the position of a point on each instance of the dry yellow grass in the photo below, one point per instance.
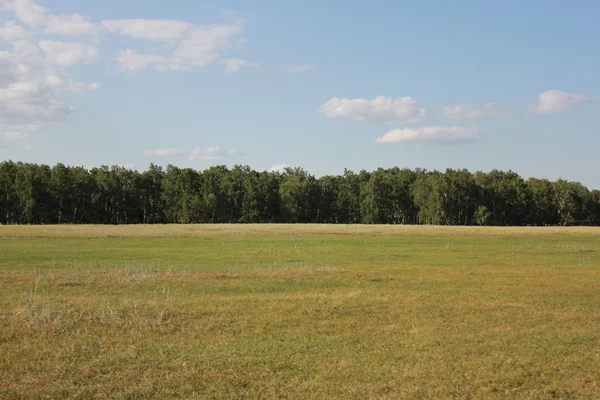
(298, 311)
(54, 231)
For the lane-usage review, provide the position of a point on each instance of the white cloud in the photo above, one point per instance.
(30, 91)
(13, 136)
(192, 47)
(27, 51)
(31, 106)
(555, 101)
(233, 65)
(68, 53)
(128, 166)
(280, 168)
(429, 135)
(33, 81)
(199, 153)
(299, 67)
(131, 60)
(147, 28)
(211, 153)
(71, 25)
(12, 31)
(28, 12)
(466, 111)
(28, 147)
(79, 87)
(205, 41)
(382, 109)
(164, 152)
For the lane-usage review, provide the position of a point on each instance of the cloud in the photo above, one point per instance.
(28, 147)
(199, 153)
(468, 112)
(31, 106)
(211, 153)
(148, 29)
(12, 31)
(380, 109)
(28, 12)
(13, 136)
(27, 51)
(68, 53)
(33, 78)
(207, 40)
(429, 135)
(233, 65)
(128, 166)
(193, 47)
(79, 87)
(131, 60)
(299, 67)
(280, 168)
(164, 152)
(555, 101)
(30, 91)
(71, 25)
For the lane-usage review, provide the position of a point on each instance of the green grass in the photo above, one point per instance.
(353, 312)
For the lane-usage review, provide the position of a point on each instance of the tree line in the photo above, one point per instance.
(40, 194)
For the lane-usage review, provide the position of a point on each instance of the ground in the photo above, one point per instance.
(305, 311)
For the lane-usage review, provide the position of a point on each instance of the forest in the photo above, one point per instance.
(41, 194)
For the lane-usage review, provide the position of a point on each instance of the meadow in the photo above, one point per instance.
(298, 312)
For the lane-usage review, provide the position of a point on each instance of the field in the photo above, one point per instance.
(249, 312)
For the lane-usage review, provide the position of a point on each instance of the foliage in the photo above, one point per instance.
(39, 194)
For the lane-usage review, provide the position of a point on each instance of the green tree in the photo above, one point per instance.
(328, 192)
(32, 183)
(446, 198)
(482, 216)
(348, 198)
(171, 193)
(572, 201)
(62, 189)
(542, 210)
(299, 193)
(9, 200)
(31, 193)
(151, 192)
(84, 191)
(505, 195)
(261, 197)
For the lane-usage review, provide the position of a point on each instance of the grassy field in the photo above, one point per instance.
(252, 312)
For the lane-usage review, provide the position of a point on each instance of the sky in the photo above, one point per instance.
(508, 85)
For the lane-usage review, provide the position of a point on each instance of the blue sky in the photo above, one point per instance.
(322, 85)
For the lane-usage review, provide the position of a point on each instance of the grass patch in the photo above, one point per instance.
(250, 311)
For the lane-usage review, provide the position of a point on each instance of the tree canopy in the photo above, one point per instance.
(40, 194)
